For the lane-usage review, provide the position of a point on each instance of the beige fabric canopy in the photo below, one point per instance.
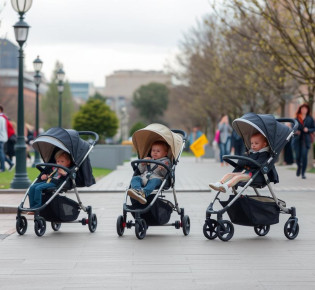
(144, 138)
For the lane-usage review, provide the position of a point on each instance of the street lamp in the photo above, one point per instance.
(60, 78)
(37, 64)
(21, 28)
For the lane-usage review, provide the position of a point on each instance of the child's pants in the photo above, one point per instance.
(35, 193)
(136, 183)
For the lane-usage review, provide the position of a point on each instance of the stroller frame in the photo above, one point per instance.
(40, 222)
(224, 229)
(139, 223)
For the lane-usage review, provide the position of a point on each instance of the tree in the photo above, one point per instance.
(50, 104)
(137, 126)
(285, 31)
(96, 116)
(151, 100)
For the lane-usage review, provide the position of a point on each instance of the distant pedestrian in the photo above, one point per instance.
(225, 137)
(193, 136)
(3, 138)
(237, 144)
(302, 140)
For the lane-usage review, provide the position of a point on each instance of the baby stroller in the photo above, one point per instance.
(58, 208)
(158, 210)
(255, 210)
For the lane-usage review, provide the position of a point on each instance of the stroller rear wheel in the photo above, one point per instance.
(92, 222)
(210, 229)
(120, 225)
(140, 229)
(291, 228)
(262, 230)
(39, 226)
(21, 225)
(225, 230)
(55, 226)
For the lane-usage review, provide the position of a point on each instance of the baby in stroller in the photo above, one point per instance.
(151, 174)
(52, 180)
(259, 151)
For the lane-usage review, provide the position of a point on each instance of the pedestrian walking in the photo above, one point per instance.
(225, 137)
(3, 138)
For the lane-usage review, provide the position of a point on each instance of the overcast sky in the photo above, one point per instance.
(94, 38)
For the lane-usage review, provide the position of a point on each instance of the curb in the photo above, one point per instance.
(8, 209)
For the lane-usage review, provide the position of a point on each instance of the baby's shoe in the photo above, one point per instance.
(137, 195)
(216, 186)
(223, 188)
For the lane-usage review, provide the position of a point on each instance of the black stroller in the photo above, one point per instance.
(158, 210)
(58, 208)
(255, 210)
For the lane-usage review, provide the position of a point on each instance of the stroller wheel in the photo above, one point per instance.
(140, 229)
(225, 230)
(210, 229)
(262, 230)
(21, 225)
(39, 226)
(120, 225)
(291, 228)
(186, 225)
(92, 222)
(55, 226)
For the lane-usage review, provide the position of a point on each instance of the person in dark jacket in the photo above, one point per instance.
(259, 152)
(302, 140)
(237, 144)
(55, 178)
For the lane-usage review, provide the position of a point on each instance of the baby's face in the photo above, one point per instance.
(158, 151)
(257, 142)
(63, 161)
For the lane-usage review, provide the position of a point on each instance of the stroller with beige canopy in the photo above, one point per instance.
(158, 210)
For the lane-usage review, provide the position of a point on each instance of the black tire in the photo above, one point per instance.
(225, 230)
(92, 223)
(120, 225)
(39, 226)
(289, 231)
(210, 229)
(55, 226)
(262, 230)
(186, 225)
(21, 225)
(140, 229)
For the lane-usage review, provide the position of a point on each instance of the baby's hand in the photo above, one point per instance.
(43, 177)
(62, 172)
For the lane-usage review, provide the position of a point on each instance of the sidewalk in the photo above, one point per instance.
(73, 258)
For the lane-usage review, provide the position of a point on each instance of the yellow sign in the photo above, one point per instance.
(198, 146)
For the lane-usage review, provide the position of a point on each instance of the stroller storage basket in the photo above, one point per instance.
(60, 209)
(159, 214)
(253, 210)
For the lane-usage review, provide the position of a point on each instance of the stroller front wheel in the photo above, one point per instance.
(140, 229)
(120, 225)
(55, 226)
(186, 225)
(92, 222)
(225, 230)
(39, 226)
(291, 228)
(262, 230)
(21, 225)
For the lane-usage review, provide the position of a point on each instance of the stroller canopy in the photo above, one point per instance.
(48, 143)
(275, 132)
(144, 138)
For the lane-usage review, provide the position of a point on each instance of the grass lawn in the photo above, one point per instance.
(7, 176)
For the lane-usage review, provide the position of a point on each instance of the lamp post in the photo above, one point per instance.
(37, 64)
(60, 78)
(21, 28)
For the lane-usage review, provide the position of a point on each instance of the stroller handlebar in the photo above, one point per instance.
(289, 120)
(181, 132)
(227, 158)
(135, 164)
(40, 167)
(90, 133)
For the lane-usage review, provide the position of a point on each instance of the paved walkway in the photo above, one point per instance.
(73, 258)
